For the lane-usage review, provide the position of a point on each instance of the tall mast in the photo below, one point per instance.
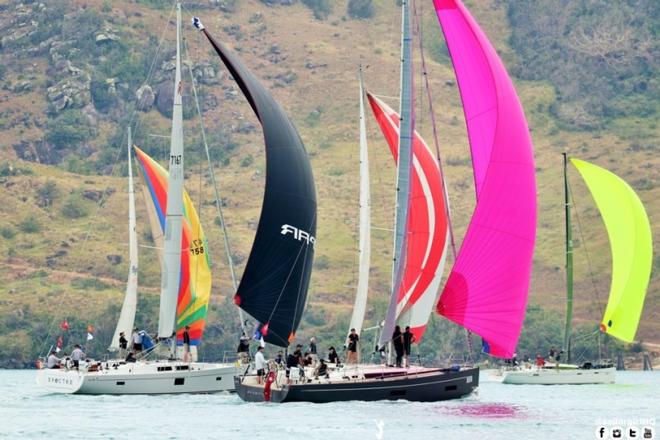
(403, 172)
(569, 264)
(171, 271)
(360, 306)
(128, 308)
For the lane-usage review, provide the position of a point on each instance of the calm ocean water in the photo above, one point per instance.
(496, 412)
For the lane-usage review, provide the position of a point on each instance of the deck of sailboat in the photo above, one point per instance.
(415, 384)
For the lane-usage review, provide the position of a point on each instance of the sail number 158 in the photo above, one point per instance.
(197, 247)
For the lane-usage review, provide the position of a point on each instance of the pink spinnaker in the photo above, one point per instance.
(487, 289)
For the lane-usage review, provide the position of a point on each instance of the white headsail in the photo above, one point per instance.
(127, 314)
(360, 305)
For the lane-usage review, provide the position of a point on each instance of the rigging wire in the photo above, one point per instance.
(105, 195)
(216, 191)
(418, 23)
(596, 295)
(186, 56)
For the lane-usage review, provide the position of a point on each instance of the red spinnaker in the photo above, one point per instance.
(428, 228)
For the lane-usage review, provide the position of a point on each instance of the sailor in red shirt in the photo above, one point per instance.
(540, 362)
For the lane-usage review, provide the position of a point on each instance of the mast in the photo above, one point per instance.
(128, 308)
(403, 173)
(569, 264)
(171, 271)
(359, 308)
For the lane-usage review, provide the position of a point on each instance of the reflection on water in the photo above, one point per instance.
(487, 410)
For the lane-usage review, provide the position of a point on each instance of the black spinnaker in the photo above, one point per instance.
(274, 285)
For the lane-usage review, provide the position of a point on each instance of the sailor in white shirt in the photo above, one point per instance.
(136, 340)
(76, 355)
(260, 363)
(53, 361)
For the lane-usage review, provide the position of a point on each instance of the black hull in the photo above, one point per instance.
(426, 387)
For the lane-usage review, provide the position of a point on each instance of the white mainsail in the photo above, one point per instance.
(171, 270)
(128, 308)
(360, 306)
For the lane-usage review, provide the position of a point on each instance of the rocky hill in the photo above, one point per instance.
(74, 74)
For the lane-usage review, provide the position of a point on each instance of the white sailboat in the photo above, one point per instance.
(632, 254)
(166, 376)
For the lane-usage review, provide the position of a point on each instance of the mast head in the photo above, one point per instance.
(198, 23)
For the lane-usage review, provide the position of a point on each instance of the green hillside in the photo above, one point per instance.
(74, 73)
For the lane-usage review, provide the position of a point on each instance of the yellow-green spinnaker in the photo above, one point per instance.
(631, 243)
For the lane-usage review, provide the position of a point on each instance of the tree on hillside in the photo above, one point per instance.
(361, 8)
(601, 56)
(321, 8)
(74, 207)
(29, 225)
(47, 193)
(70, 128)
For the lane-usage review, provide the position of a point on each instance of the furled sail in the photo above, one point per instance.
(428, 226)
(195, 285)
(631, 243)
(487, 289)
(274, 285)
(129, 307)
(360, 306)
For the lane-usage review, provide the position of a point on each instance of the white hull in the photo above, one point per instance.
(158, 377)
(559, 376)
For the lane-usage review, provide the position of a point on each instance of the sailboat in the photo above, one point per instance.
(273, 288)
(184, 292)
(629, 231)
(482, 293)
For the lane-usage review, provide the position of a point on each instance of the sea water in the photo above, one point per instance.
(495, 411)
